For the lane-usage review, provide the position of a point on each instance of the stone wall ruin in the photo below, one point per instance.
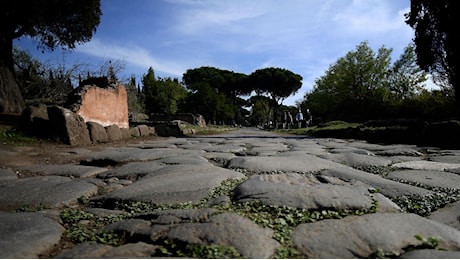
(106, 105)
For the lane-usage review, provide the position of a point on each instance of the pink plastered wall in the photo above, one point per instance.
(106, 106)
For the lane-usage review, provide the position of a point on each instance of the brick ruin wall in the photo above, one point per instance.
(106, 106)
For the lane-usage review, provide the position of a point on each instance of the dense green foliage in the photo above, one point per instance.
(162, 95)
(365, 85)
(40, 83)
(277, 84)
(214, 93)
(437, 40)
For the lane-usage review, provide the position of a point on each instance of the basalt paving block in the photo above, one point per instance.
(389, 188)
(174, 184)
(306, 163)
(439, 179)
(354, 159)
(363, 236)
(309, 192)
(427, 165)
(27, 235)
(67, 170)
(48, 191)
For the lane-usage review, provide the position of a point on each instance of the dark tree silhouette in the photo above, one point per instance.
(52, 23)
(277, 83)
(437, 40)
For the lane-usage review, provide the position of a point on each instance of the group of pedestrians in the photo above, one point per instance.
(299, 119)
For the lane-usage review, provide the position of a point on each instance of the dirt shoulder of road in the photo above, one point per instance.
(44, 152)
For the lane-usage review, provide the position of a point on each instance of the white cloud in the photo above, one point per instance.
(370, 16)
(133, 55)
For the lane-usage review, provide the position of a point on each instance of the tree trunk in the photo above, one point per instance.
(10, 97)
(11, 101)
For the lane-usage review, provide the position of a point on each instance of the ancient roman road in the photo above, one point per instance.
(246, 193)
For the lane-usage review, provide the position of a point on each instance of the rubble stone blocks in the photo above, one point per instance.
(97, 132)
(70, 127)
(114, 133)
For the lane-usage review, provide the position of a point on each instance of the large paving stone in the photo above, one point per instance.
(307, 163)
(28, 235)
(362, 236)
(227, 229)
(101, 251)
(127, 154)
(7, 175)
(174, 184)
(427, 165)
(308, 192)
(431, 254)
(189, 158)
(449, 215)
(200, 227)
(52, 191)
(398, 150)
(67, 170)
(355, 159)
(133, 170)
(308, 148)
(430, 178)
(446, 159)
(354, 150)
(226, 148)
(389, 188)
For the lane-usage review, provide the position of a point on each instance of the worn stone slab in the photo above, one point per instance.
(332, 143)
(133, 170)
(226, 148)
(128, 154)
(431, 254)
(354, 150)
(313, 149)
(268, 150)
(28, 235)
(174, 184)
(449, 215)
(446, 159)
(268, 146)
(93, 251)
(169, 217)
(439, 179)
(227, 229)
(7, 175)
(153, 145)
(67, 170)
(397, 150)
(308, 192)
(427, 165)
(307, 163)
(355, 159)
(196, 146)
(220, 159)
(389, 188)
(365, 145)
(189, 158)
(361, 236)
(53, 191)
(402, 158)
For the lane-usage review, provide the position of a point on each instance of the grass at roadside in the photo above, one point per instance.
(13, 136)
(191, 130)
(313, 130)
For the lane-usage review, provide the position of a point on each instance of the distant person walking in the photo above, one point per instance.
(309, 118)
(299, 118)
(287, 120)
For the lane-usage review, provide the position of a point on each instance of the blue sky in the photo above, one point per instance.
(171, 36)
